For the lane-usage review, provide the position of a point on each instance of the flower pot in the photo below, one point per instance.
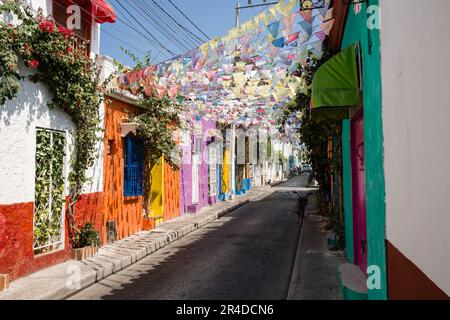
(84, 253)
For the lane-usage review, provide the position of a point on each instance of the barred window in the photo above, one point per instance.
(133, 166)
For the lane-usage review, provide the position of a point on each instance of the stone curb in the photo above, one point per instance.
(295, 280)
(52, 283)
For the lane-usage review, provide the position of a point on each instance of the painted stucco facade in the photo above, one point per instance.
(126, 212)
(20, 120)
(356, 31)
(201, 132)
(415, 72)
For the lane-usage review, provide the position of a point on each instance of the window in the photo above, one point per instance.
(83, 34)
(198, 145)
(133, 165)
(212, 170)
(50, 183)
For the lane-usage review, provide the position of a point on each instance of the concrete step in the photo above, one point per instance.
(353, 282)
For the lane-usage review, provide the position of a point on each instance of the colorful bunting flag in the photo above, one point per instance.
(279, 43)
(273, 28)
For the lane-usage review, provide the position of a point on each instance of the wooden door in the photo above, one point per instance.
(359, 192)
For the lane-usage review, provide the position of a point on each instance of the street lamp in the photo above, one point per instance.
(306, 5)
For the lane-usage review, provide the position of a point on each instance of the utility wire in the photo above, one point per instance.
(140, 24)
(124, 42)
(182, 33)
(162, 29)
(174, 20)
(179, 10)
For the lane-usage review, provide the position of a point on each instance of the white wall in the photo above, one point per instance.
(19, 119)
(415, 46)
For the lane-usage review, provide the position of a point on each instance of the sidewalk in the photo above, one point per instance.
(56, 282)
(315, 274)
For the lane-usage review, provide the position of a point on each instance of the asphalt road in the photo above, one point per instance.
(246, 255)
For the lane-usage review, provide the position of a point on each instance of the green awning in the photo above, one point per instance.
(335, 86)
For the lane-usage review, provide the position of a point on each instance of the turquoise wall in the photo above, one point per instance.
(356, 31)
(347, 190)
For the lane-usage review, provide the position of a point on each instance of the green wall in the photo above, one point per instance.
(356, 31)
(347, 190)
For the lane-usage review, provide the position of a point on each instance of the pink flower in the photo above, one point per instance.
(65, 31)
(46, 26)
(33, 63)
(69, 50)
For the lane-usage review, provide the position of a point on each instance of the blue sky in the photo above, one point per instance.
(213, 17)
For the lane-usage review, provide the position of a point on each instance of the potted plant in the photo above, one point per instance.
(85, 242)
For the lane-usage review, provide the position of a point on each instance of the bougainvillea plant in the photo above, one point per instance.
(73, 78)
(161, 118)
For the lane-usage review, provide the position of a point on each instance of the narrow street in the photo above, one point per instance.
(248, 254)
(150, 150)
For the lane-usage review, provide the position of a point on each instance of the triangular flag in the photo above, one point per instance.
(293, 37)
(289, 21)
(246, 26)
(266, 17)
(323, 11)
(316, 23)
(316, 44)
(204, 48)
(274, 10)
(274, 28)
(285, 9)
(306, 15)
(321, 35)
(234, 33)
(226, 84)
(327, 26)
(279, 43)
(329, 15)
(256, 21)
(214, 43)
(306, 26)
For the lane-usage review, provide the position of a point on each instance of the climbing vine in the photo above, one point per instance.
(49, 189)
(155, 126)
(48, 49)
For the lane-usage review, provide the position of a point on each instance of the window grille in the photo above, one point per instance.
(133, 167)
(50, 183)
(212, 170)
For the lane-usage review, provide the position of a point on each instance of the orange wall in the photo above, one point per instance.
(171, 192)
(126, 211)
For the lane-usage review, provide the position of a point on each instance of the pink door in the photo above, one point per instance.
(359, 192)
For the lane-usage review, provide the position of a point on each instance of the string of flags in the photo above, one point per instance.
(247, 76)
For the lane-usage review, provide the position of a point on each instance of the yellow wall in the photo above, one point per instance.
(157, 191)
(226, 172)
